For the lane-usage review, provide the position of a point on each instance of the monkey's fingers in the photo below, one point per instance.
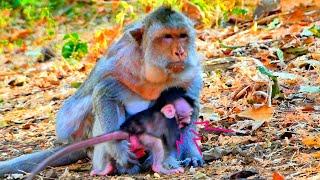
(195, 162)
(132, 158)
(135, 169)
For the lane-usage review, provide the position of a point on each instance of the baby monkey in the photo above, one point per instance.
(156, 128)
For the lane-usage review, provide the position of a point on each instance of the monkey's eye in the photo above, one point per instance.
(183, 35)
(168, 36)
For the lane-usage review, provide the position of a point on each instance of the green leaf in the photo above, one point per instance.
(68, 49)
(274, 24)
(82, 47)
(280, 56)
(76, 84)
(72, 37)
(239, 11)
(315, 29)
(265, 71)
(275, 87)
(309, 89)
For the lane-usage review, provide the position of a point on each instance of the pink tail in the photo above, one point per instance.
(117, 135)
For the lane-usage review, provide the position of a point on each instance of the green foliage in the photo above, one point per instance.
(76, 84)
(280, 56)
(239, 11)
(315, 29)
(73, 48)
(275, 86)
(274, 24)
(312, 31)
(125, 11)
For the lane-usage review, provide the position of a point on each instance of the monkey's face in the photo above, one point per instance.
(183, 112)
(169, 49)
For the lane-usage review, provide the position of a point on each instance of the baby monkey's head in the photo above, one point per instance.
(179, 109)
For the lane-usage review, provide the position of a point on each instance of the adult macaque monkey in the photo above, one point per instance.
(156, 128)
(153, 54)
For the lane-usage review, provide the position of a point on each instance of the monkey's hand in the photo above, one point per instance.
(127, 162)
(122, 154)
(190, 153)
(171, 162)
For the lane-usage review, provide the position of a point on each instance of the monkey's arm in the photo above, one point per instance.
(77, 108)
(109, 114)
(190, 154)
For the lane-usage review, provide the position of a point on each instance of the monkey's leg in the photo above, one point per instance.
(157, 149)
(73, 112)
(109, 114)
(26, 163)
(171, 161)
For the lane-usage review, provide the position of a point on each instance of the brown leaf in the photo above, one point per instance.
(316, 56)
(288, 5)
(277, 176)
(263, 113)
(191, 10)
(18, 34)
(312, 141)
(308, 107)
(296, 16)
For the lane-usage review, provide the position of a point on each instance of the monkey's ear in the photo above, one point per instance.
(137, 34)
(168, 111)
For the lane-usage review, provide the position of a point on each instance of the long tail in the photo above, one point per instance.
(26, 163)
(117, 135)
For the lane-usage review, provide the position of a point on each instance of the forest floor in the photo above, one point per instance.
(271, 138)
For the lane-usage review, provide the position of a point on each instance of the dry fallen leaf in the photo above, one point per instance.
(277, 176)
(312, 141)
(288, 5)
(191, 10)
(263, 113)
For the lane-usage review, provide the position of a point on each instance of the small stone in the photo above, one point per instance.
(17, 176)
(28, 150)
(200, 175)
(192, 170)
(51, 173)
(156, 175)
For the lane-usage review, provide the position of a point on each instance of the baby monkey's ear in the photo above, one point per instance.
(168, 111)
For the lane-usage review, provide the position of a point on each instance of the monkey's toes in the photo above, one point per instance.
(177, 170)
(107, 171)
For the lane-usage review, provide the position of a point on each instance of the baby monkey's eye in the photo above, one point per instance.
(183, 35)
(168, 36)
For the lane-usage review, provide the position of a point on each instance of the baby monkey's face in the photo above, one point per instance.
(183, 112)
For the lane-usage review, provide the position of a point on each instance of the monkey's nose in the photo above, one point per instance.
(180, 53)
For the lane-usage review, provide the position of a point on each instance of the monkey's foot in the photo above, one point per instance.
(162, 170)
(107, 171)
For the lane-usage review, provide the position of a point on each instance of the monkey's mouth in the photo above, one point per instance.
(176, 67)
